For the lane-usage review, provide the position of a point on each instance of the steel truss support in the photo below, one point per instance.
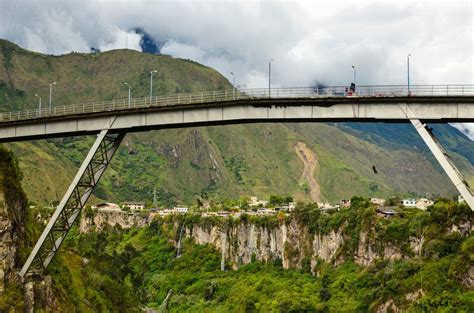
(442, 157)
(71, 205)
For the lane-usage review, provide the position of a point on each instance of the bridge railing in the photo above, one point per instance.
(239, 94)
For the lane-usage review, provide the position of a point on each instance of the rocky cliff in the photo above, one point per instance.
(295, 242)
(294, 245)
(99, 220)
(12, 215)
(17, 296)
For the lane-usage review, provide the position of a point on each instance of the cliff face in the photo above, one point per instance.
(100, 220)
(12, 215)
(14, 296)
(294, 245)
(291, 242)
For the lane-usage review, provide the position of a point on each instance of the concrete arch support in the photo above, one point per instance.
(442, 157)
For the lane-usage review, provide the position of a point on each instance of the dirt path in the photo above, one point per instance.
(310, 160)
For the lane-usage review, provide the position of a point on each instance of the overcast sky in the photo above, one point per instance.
(309, 41)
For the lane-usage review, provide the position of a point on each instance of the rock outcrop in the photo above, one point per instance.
(12, 215)
(102, 219)
(38, 294)
(292, 244)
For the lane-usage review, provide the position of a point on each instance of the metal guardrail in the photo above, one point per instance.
(239, 94)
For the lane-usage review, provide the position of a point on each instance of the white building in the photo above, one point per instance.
(291, 206)
(255, 202)
(423, 203)
(165, 212)
(409, 203)
(325, 206)
(181, 210)
(377, 201)
(134, 206)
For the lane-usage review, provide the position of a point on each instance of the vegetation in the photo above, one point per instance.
(137, 267)
(125, 270)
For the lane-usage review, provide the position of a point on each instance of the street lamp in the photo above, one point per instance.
(233, 80)
(50, 94)
(233, 84)
(151, 83)
(129, 90)
(408, 72)
(353, 67)
(39, 105)
(269, 76)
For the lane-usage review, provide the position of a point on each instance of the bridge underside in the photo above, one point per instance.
(112, 126)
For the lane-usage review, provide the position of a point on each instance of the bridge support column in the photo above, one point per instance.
(71, 205)
(442, 157)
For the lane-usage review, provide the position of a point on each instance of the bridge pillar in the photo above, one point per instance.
(71, 205)
(441, 155)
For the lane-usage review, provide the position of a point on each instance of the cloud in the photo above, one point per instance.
(120, 39)
(309, 41)
(465, 128)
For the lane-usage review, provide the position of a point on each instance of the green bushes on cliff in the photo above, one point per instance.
(144, 263)
(130, 269)
(13, 196)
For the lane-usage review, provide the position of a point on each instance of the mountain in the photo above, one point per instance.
(400, 134)
(219, 161)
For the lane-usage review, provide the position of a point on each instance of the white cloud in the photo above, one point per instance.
(181, 50)
(309, 40)
(120, 39)
(465, 128)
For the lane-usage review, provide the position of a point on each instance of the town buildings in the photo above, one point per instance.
(133, 206)
(377, 201)
(254, 202)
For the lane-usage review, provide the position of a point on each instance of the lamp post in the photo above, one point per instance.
(151, 84)
(408, 72)
(355, 72)
(233, 84)
(269, 76)
(50, 94)
(129, 91)
(39, 105)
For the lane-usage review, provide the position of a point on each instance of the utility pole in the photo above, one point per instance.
(408, 72)
(354, 75)
(39, 105)
(233, 84)
(269, 76)
(50, 95)
(151, 84)
(129, 91)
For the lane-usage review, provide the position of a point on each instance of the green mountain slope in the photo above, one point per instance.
(223, 161)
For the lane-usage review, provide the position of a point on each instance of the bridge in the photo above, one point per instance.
(448, 103)
(111, 120)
